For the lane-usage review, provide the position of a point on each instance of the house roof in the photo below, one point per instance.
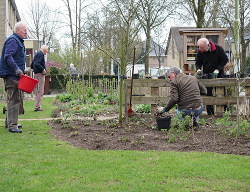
(178, 39)
(177, 34)
(155, 49)
(16, 10)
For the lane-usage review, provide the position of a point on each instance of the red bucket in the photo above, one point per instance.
(27, 84)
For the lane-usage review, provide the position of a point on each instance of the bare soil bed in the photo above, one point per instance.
(141, 134)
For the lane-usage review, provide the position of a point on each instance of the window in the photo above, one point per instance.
(213, 38)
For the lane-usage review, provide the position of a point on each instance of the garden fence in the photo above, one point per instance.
(225, 92)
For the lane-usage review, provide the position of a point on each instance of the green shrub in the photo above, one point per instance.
(65, 97)
(143, 108)
(230, 128)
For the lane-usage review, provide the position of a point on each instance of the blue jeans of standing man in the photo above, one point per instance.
(196, 112)
(14, 102)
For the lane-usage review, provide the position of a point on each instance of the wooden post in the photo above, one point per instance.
(154, 92)
(126, 102)
(128, 91)
(219, 92)
(247, 89)
(247, 92)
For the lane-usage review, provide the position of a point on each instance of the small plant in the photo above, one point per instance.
(143, 108)
(178, 125)
(65, 97)
(139, 139)
(72, 134)
(126, 139)
(86, 122)
(230, 128)
(202, 121)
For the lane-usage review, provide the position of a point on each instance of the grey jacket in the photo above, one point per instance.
(185, 91)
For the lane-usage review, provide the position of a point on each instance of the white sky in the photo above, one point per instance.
(22, 5)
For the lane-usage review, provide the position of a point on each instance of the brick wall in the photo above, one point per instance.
(2, 24)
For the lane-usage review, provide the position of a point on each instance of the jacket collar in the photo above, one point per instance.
(212, 46)
(18, 37)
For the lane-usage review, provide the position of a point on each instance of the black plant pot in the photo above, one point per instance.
(163, 123)
(243, 75)
(211, 76)
(161, 77)
(136, 76)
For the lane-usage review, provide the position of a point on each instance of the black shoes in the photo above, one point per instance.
(15, 130)
(39, 109)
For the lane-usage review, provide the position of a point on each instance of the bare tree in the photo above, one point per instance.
(105, 28)
(43, 22)
(74, 20)
(203, 12)
(227, 17)
(151, 14)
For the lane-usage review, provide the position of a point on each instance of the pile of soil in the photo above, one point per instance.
(141, 134)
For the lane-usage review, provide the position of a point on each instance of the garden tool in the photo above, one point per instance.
(130, 110)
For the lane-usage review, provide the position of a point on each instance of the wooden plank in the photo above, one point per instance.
(207, 100)
(207, 82)
(149, 82)
(154, 91)
(219, 92)
(247, 91)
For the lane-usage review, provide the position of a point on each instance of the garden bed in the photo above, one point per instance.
(142, 134)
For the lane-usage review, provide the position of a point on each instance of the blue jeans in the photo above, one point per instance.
(195, 112)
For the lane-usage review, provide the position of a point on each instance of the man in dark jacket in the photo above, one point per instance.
(39, 68)
(11, 69)
(185, 91)
(211, 58)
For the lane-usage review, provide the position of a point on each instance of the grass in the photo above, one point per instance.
(35, 161)
(29, 109)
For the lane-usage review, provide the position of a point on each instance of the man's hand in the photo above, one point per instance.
(19, 72)
(199, 72)
(159, 110)
(216, 72)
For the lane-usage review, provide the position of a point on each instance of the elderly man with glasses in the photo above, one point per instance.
(185, 92)
(211, 58)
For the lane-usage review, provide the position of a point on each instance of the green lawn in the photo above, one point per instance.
(36, 161)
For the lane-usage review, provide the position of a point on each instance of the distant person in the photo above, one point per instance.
(211, 58)
(39, 69)
(185, 92)
(73, 71)
(12, 66)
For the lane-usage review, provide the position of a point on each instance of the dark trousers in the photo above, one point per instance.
(14, 102)
(210, 108)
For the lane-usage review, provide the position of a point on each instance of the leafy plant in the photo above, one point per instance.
(75, 88)
(65, 97)
(230, 128)
(143, 108)
(177, 129)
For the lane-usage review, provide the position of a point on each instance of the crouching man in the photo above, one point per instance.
(185, 92)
